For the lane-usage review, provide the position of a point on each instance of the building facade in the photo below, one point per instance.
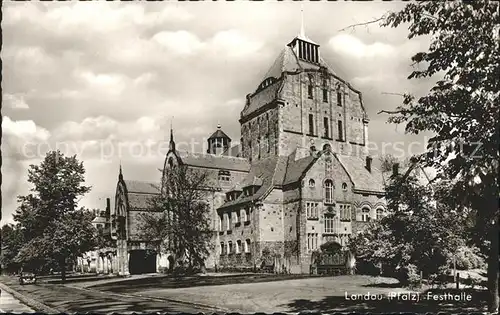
(299, 177)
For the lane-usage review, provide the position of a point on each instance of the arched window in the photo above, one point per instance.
(312, 183)
(326, 146)
(238, 246)
(344, 186)
(171, 162)
(328, 191)
(247, 246)
(380, 213)
(365, 214)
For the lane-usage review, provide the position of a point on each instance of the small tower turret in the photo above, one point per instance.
(218, 142)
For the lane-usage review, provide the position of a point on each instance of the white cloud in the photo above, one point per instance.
(179, 42)
(234, 44)
(15, 101)
(351, 46)
(24, 129)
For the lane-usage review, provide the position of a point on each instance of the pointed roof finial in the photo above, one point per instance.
(171, 145)
(171, 129)
(120, 175)
(302, 31)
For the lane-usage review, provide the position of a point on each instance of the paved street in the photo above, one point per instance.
(326, 294)
(9, 304)
(71, 299)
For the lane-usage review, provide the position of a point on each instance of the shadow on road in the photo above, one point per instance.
(136, 285)
(477, 303)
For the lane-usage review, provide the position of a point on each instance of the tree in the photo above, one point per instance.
(462, 107)
(54, 229)
(418, 231)
(387, 161)
(180, 220)
(12, 240)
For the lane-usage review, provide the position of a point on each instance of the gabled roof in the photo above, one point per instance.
(140, 201)
(236, 187)
(234, 151)
(206, 160)
(219, 134)
(363, 179)
(297, 168)
(287, 61)
(252, 181)
(135, 186)
(269, 171)
(262, 98)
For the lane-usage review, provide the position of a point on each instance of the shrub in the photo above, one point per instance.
(409, 276)
(367, 268)
(467, 258)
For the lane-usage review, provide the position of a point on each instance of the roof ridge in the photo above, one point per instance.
(214, 155)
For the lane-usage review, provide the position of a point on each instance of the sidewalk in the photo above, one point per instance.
(9, 304)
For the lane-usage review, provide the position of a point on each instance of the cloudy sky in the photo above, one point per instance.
(103, 80)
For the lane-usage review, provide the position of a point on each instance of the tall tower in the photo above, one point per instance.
(302, 104)
(218, 142)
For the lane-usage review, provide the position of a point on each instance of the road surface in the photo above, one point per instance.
(9, 304)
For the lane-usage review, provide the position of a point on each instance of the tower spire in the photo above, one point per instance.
(171, 145)
(302, 31)
(120, 175)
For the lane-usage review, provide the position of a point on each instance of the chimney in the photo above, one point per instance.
(395, 169)
(369, 163)
(108, 207)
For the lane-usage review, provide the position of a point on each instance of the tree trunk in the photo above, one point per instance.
(493, 272)
(63, 270)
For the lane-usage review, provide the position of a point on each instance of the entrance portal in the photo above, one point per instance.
(142, 261)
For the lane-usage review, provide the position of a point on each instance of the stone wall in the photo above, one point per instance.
(294, 115)
(258, 129)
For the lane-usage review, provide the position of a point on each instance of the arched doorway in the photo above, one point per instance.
(171, 262)
(142, 261)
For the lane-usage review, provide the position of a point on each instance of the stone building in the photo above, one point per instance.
(300, 175)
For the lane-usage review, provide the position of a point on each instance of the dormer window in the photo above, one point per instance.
(308, 51)
(224, 176)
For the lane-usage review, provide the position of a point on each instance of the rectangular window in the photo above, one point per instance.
(312, 210)
(221, 226)
(325, 95)
(228, 220)
(339, 99)
(222, 248)
(329, 219)
(310, 91)
(325, 126)
(238, 246)
(311, 124)
(268, 143)
(247, 215)
(345, 212)
(309, 241)
(340, 130)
